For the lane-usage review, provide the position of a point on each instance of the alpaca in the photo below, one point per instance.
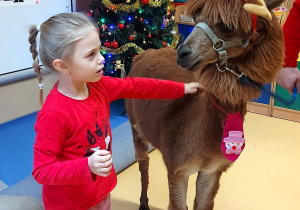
(189, 131)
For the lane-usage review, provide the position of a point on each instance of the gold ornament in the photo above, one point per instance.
(126, 7)
(122, 49)
(175, 37)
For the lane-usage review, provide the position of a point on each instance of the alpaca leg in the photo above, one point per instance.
(207, 186)
(141, 154)
(178, 185)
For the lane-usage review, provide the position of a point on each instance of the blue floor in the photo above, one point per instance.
(17, 139)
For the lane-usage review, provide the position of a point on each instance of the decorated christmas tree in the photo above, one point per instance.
(127, 27)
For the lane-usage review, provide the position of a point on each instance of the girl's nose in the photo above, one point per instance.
(100, 59)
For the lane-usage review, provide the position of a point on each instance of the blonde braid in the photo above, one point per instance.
(33, 32)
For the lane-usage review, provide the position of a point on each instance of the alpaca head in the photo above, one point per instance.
(224, 38)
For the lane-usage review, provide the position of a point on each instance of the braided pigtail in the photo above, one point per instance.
(33, 32)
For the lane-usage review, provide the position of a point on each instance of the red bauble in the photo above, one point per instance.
(130, 38)
(121, 26)
(89, 14)
(114, 44)
(101, 35)
(145, 1)
(113, 7)
(107, 44)
(164, 44)
(149, 35)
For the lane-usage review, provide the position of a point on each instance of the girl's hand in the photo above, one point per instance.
(100, 163)
(288, 78)
(191, 87)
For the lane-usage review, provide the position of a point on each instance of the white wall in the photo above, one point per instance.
(20, 98)
(15, 21)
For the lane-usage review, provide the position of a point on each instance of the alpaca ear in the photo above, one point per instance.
(259, 8)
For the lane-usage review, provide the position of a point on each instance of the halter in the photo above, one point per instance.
(224, 44)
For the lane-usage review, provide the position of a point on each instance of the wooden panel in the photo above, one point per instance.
(258, 108)
(287, 114)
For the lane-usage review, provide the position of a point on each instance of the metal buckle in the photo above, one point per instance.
(221, 51)
(230, 70)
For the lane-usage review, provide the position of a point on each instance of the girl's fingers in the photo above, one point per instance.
(104, 170)
(104, 158)
(102, 152)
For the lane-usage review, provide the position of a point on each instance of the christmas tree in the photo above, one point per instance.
(127, 27)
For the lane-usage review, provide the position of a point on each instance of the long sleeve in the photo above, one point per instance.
(51, 129)
(291, 30)
(142, 88)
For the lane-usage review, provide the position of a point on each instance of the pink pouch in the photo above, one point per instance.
(233, 137)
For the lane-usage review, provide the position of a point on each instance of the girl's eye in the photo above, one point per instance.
(92, 54)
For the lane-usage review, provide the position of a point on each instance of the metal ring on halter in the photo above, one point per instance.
(222, 45)
(221, 51)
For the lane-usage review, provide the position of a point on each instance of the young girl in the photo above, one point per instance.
(72, 150)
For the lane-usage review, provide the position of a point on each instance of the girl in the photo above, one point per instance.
(72, 150)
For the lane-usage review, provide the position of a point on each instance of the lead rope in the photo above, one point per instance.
(247, 81)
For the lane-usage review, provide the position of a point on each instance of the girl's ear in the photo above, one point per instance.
(60, 66)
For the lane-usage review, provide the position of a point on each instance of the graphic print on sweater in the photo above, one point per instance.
(99, 139)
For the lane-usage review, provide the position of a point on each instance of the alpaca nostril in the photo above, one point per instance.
(183, 51)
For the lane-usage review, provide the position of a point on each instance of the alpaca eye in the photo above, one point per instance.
(226, 28)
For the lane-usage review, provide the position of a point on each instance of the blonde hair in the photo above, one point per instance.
(58, 35)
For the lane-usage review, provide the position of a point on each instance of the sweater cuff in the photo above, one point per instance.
(291, 57)
(90, 176)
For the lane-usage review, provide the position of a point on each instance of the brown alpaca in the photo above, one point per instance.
(188, 131)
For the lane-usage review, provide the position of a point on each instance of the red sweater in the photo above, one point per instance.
(69, 130)
(291, 30)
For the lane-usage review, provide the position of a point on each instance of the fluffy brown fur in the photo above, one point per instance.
(188, 131)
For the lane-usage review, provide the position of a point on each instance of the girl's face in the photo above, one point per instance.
(86, 64)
